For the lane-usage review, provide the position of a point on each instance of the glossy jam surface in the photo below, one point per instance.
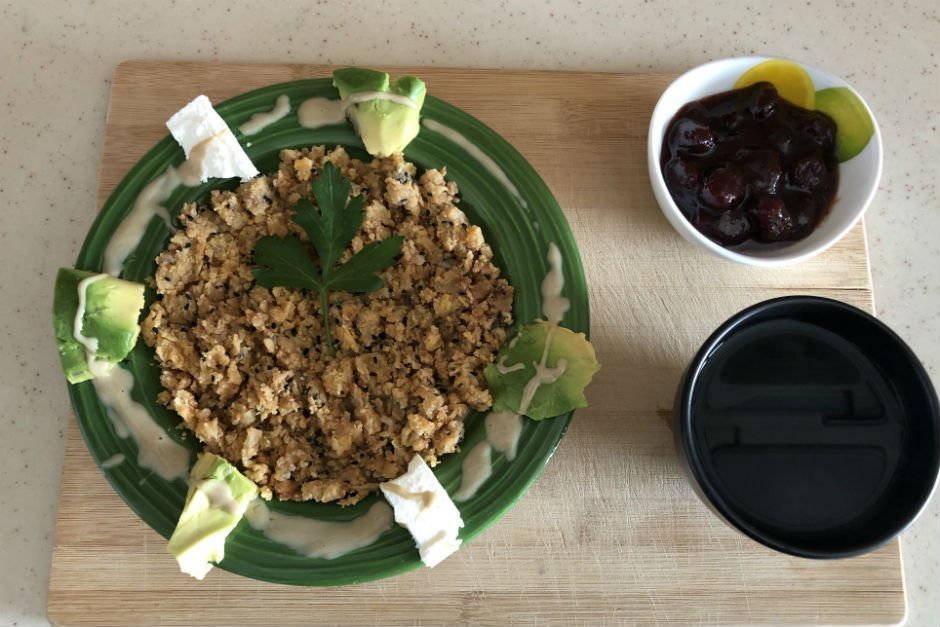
(748, 166)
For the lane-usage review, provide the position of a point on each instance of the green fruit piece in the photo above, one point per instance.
(112, 307)
(508, 382)
(854, 126)
(349, 80)
(217, 499)
(385, 126)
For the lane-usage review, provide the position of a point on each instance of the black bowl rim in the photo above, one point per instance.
(713, 494)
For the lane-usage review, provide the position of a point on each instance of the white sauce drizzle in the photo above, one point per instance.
(115, 460)
(260, 121)
(503, 429)
(543, 374)
(475, 470)
(220, 496)
(326, 539)
(149, 203)
(554, 305)
(481, 157)
(502, 368)
(90, 343)
(157, 451)
(317, 112)
(191, 171)
(425, 498)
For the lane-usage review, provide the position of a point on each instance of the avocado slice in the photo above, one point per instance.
(854, 126)
(385, 126)
(217, 499)
(112, 307)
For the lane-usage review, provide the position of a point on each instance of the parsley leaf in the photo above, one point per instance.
(283, 261)
(288, 264)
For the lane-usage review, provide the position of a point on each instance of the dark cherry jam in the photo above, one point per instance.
(747, 165)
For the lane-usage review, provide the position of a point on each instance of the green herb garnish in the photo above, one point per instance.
(283, 261)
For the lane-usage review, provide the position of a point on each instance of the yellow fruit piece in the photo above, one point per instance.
(791, 80)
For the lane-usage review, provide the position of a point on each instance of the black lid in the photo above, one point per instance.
(811, 427)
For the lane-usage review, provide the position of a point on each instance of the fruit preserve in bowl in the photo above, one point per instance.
(763, 161)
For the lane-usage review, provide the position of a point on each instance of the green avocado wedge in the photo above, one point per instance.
(112, 307)
(854, 124)
(385, 126)
(568, 352)
(217, 499)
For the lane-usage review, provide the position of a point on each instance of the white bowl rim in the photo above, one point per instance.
(690, 232)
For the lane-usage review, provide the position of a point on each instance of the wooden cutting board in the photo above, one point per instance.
(611, 533)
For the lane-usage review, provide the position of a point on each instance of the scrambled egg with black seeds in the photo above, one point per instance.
(246, 368)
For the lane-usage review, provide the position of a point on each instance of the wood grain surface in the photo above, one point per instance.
(611, 533)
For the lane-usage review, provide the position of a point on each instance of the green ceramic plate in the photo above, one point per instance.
(519, 228)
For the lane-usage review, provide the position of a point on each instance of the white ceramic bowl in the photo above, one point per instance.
(858, 177)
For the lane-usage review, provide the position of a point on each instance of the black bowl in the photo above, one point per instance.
(810, 426)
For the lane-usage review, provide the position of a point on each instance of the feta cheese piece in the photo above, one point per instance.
(424, 508)
(209, 143)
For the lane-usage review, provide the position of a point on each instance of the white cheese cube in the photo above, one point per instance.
(205, 137)
(424, 508)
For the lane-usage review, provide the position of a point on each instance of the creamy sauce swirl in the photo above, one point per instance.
(190, 172)
(475, 470)
(157, 450)
(544, 375)
(554, 305)
(149, 203)
(317, 112)
(90, 343)
(260, 121)
(220, 496)
(115, 460)
(503, 429)
(326, 539)
(502, 368)
(481, 157)
(426, 498)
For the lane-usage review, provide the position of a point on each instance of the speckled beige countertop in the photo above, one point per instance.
(58, 59)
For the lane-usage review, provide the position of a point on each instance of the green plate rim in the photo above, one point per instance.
(483, 198)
